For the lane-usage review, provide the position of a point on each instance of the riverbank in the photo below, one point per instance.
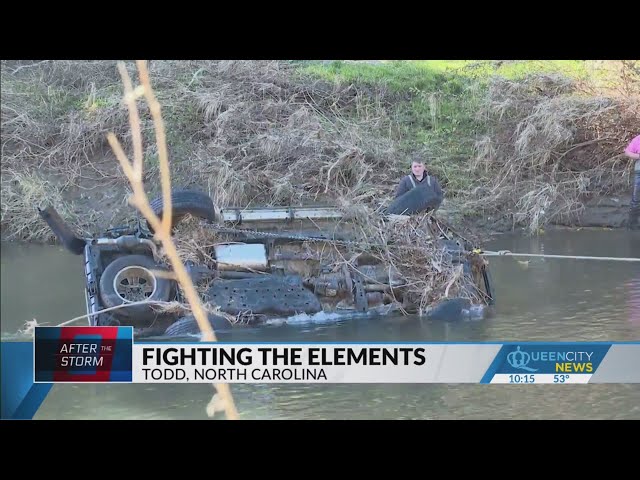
(517, 145)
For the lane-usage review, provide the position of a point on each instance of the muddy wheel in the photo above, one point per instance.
(189, 325)
(414, 201)
(131, 279)
(185, 202)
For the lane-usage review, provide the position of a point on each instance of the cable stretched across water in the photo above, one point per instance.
(500, 253)
(487, 253)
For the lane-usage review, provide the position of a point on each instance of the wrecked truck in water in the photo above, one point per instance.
(260, 266)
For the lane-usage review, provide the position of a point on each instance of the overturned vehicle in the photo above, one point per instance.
(260, 266)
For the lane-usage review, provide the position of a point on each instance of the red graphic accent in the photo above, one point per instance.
(105, 350)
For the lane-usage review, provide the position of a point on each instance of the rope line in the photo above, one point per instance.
(575, 257)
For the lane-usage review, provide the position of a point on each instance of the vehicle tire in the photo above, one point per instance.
(189, 325)
(107, 320)
(414, 201)
(449, 309)
(184, 202)
(130, 278)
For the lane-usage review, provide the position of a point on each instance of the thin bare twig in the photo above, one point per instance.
(162, 228)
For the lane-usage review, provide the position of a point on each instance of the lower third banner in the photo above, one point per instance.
(109, 354)
(517, 363)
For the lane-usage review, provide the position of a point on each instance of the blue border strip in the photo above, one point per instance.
(21, 397)
(501, 356)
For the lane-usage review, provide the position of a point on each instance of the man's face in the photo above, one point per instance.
(417, 169)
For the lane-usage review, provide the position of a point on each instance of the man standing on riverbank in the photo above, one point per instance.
(633, 151)
(426, 191)
(418, 178)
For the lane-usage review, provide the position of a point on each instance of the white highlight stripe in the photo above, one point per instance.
(532, 379)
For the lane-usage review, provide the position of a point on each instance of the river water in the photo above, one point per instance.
(544, 299)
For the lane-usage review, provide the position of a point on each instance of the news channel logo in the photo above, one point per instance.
(576, 358)
(520, 360)
(83, 354)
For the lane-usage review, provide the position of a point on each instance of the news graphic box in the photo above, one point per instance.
(554, 362)
(83, 354)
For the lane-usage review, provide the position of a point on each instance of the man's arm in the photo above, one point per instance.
(403, 187)
(438, 189)
(633, 149)
(631, 154)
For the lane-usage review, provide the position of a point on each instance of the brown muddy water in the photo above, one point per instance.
(544, 300)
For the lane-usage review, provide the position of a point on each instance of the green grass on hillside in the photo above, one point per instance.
(437, 101)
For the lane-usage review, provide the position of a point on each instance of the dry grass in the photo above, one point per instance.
(274, 142)
(54, 116)
(249, 132)
(551, 147)
(408, 249)
(194, 242)
(255, 133)
(22, 193)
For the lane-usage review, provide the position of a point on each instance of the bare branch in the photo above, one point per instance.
(163, 230)
(134, 119)
(161, 140)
